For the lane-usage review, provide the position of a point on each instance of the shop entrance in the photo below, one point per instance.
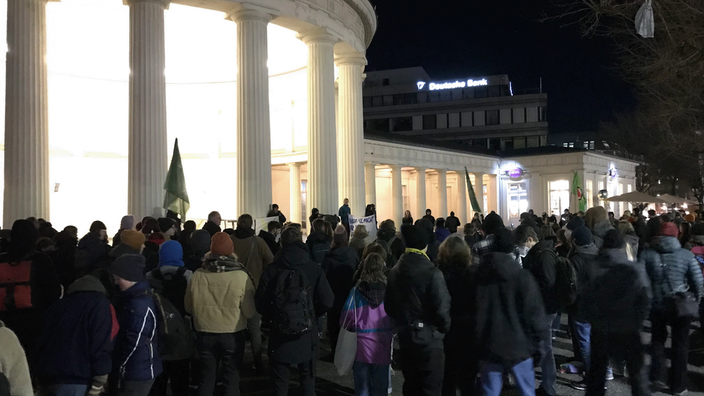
(517, 202)
(559, 197)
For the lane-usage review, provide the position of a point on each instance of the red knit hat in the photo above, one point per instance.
(669, 229)
(221, 245)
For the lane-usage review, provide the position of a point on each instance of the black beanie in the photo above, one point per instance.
(575, 223)
(96, 226)
(415, 237)
(23, 237)
(129, 267)
(582, 236)
(165, 224)
(492, 223)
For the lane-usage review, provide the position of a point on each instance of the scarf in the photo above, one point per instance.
(416, 251)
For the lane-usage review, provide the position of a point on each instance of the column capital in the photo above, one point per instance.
(395, 167)
(163, 3)
(294, 164)
(351, 58)
(420, 169)
(318, 35)
(249, 13)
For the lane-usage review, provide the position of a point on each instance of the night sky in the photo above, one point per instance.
(470, 38)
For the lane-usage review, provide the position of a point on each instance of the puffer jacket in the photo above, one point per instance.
(600, 229)
(13, 363)
(671, 269)
(418, 301)
(220, 296)
(364, 314)
(136, 355)
(618, 298)
(584, 259)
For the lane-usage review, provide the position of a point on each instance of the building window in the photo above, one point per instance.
(403, 99)
(559, 196)
(388, 100)
(542, 114)
(494, 91)
(468, 93)
(480, 92)
(406, 198)
(479, 118)
(505, 115)
(367, 101)
(507, 144)
(532, 141)
(479, 143)
(519, 115)
(591, 145)
(585, 144)
(532, 114)
(385, 82)
(442, 121)
(571, 144)
(430, 121)
(492, 117)
(304, 202)
(519, 142)
(565, 144)
(377, 101)
(466, 119)
(422, 97)
(434, 96)
(453, 120)
(378, 125)
(401, 124)
(495, 144)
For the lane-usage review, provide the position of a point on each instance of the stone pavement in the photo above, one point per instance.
(330, 384)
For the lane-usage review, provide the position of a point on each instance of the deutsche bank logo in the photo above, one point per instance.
(421, 84)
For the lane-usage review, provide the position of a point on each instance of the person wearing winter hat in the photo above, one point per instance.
(132, 243)
(572, 225)
(616, 304)
(671, 268)
(286, 351)
(424, 319)
(30, 303)
(167, 228)
(220, 297)
(492, 224)
(199, 245)
(127, 223)
(584, 257)
(93, 249)
(339, 265)
(136, 354)
(74, 352)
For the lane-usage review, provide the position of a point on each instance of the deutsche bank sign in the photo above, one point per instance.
(453, 84)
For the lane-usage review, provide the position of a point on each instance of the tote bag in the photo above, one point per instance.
(346, 350)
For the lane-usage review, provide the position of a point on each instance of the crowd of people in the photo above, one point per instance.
(457, 307)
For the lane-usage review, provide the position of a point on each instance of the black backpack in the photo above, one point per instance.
(172, 286)
(293, 312)
(565, 282)
(175, 340)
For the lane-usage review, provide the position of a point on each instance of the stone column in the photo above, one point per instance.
(322, 147)
(296, 209)
(492, 194)
(396, 194)
(26, 113)
(420, 193)
(253, 130)
(148, 146)
(442, 193)
(479, 190)
(462, 197)
(370, 183)
(350, 131)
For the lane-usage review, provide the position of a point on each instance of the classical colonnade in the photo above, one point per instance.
(335, 145)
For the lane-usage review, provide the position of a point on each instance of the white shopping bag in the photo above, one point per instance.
(346, 350)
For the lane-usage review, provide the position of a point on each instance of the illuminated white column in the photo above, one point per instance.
(396, 194)
(148, 146)
(442, 193)
(26, 113)
(370, 183)
(492, 195)
(322, 148)
(462, 201)
(479, 190)
(253, 130)
(420, 193)
(350, 131)
(295, 175)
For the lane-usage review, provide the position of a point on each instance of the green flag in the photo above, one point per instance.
(176, 197)
(578, 193)
(472, 197)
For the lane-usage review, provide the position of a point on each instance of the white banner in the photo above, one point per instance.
(261, 224)
(368, 222)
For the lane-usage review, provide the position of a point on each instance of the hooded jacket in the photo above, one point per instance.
(452, 223)
(220, 296)
(418, 301)
(541, 261)
(76, 344)
(441, 233)
(670, 269)
(510, 318)
(618, 298)
(397, 247)
(318, 243)
(270, 241)
(252, 251)
(599, 231)
(303, 348)
(462, 307)
(136, 356)
(13, 363)
(364, 314)
(339, 266)
(92, 252)
(585, 261)
(199, 245)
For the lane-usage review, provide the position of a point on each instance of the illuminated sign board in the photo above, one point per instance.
(515, 173)
(453, 84)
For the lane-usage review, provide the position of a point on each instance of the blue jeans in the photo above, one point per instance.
(547, 365)
(491, 375)
(582, 334)
(68, 390)
(370, 379)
